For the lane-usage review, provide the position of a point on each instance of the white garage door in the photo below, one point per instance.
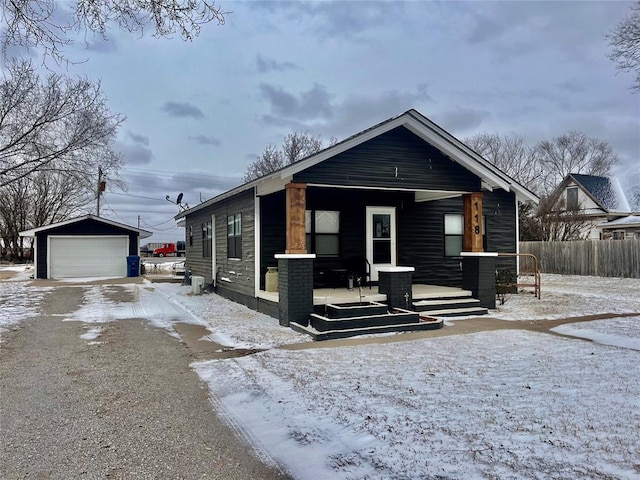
(100, 256)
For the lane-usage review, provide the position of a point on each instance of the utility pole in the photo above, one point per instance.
(101, 187)
(138, 222)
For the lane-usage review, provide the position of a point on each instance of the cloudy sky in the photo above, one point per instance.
(199, 112)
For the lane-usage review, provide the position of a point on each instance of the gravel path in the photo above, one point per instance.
(129, 407)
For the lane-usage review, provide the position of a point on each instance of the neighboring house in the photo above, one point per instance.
(86, 246)
(389, 196)
(600, 203)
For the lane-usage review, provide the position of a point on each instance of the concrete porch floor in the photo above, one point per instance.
(339, 296)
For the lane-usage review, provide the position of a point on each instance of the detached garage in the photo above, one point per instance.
(87, 246)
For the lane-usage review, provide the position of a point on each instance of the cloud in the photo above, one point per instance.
(338, 18)
(312, 104)
(267, 65)
(205, 140)
(136, 153)
(354, 113)
(460, 119)
(102, 45)
(176, 109)
(139, 139)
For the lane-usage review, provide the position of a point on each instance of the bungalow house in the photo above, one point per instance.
(600, 204)
(400, 217)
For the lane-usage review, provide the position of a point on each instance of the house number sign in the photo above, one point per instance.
(472, 235)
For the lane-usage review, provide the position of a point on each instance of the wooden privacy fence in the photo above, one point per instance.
(604, 258)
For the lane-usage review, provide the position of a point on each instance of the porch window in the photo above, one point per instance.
(618, 234)
(323, 232)
(453, 231)
(234, 236)
(206, 239)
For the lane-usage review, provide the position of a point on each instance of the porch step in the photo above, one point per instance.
(323, 324)
(466, 302)
(455, 312)
(352, 332)
(449, 306)
(350, 310)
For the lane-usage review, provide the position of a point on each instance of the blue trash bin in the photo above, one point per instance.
(133, 266)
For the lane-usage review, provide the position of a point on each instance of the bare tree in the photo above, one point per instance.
(558, 223)
(625, 44)
(44, 24)
(54, 135)
(58, 124)
(295, 147)
(42, 198)
(573, 152)
(511, 154)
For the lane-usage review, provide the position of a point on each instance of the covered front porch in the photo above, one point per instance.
(345, 296)
(343, 312)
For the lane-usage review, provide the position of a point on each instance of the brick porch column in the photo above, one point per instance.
(395, 282)
(295, 288)
(479, 276)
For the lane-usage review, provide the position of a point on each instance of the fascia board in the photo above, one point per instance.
(33, 231)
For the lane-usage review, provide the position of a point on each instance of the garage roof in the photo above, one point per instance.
(33, 231)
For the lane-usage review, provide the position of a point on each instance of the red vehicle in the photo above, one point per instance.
(170, 250)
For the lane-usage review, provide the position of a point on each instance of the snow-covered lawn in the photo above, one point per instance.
(499, 404)
(566, 296)
(488, 405)
(231, 324)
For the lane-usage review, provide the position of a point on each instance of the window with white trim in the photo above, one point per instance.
(234, 236)
(453, 231)
(572, 198)
(206, 239)
(323, 232)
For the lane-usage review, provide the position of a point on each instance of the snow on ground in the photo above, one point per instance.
(566, 296)
(232, 324)
(619, 332)
(500, 404)
(19, 302)
(506, 404)
(18, 273)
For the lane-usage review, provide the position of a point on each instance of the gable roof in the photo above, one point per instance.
(414, 121)
(33, 231)
(606, 192)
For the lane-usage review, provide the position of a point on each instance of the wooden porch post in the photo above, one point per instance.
(296, 225)
(472, 234)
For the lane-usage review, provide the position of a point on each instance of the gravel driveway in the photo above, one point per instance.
(128, 407)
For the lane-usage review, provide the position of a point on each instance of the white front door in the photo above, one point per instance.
(381, 238)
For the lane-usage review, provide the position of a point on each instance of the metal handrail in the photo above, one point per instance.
(536, 272)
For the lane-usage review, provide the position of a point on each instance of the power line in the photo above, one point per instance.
(168, 174)
(136, 196)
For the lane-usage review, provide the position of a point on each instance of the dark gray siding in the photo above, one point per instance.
(421, 236)
(420, 228)
(396, 159)
(233, 274)
(80, 228)
(352, 207)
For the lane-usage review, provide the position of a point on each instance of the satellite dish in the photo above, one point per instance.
(179, 199)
